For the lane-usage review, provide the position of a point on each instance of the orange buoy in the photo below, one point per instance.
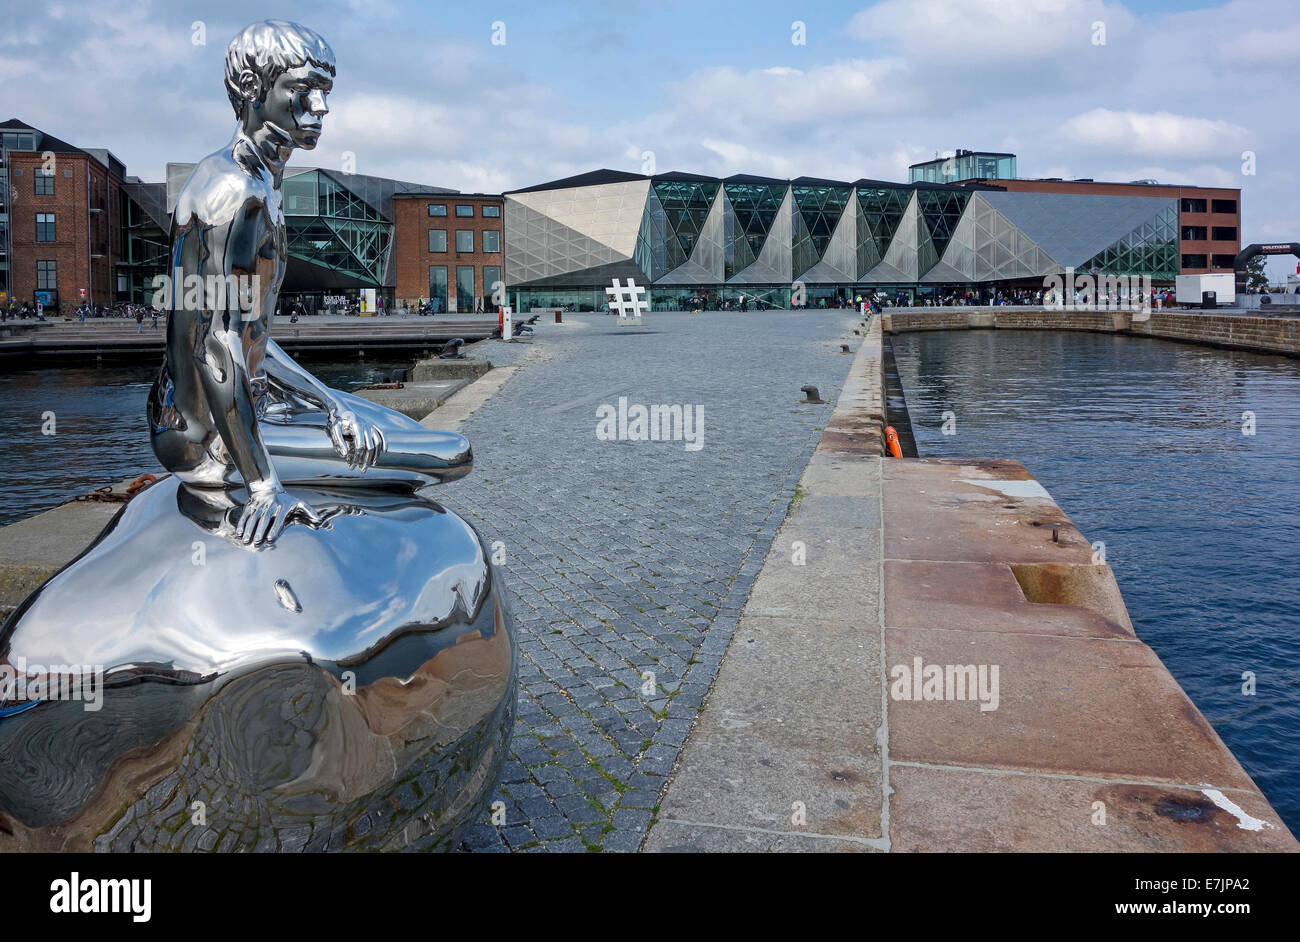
(891, 439)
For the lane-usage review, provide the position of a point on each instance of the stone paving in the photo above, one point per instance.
(627, 563)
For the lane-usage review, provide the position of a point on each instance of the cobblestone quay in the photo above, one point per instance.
(627, 558)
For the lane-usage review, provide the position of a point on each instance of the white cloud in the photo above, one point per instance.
(991, 29)
(1154, 134)
(734, 154)
(1272, 45)
(779, 96)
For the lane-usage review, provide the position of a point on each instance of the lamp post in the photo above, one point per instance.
(10, 194)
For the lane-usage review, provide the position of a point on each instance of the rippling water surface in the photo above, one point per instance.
(100, 436)
(1140, 442)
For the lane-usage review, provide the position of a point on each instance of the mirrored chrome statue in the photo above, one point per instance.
(284, 644)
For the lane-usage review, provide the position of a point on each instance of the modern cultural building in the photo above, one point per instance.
(78, 227)
(962, 224)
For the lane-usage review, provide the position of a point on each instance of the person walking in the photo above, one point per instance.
(139, 321)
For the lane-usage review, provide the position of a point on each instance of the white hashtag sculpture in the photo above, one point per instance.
(629, 301)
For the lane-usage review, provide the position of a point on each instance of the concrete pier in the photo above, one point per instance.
(118, 339)
(1233, 330)
(932, 659)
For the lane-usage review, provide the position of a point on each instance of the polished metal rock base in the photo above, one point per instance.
(239, 712)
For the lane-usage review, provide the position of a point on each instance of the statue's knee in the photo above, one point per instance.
(456, 448)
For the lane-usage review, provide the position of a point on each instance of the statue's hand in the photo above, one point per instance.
(267, 512)
(356, 440)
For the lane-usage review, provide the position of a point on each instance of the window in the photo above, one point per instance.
(18, 140)
(464, 240)
(1224, 233)
(44, 182)
(464, 288)
(437, 240)
(438, 287)
(437, 209)
(47, 276)
(1223, 206)
(492, 284)
(491, 240)
(1193, 206)
(1194, 261)
(464, 211)
(1223, 261)
(492, 212)
(1193, 233)
(45, 227)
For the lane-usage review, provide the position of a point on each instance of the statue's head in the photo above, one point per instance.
(278, 74)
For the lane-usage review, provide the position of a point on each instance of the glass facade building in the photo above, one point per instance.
(146, 234)
(340, 233)
(757, 241)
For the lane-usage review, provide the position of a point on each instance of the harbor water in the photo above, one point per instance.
(67, 430)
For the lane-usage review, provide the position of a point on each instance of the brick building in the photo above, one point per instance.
(450, 248)
(73, 225)
(63, 206)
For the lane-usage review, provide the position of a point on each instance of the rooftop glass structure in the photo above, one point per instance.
(964, 165)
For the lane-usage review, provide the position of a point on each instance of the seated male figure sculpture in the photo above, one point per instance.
(230, 406)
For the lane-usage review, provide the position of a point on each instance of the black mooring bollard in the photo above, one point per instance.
(811, 393)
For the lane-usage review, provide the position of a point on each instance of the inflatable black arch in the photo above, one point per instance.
(1250, 251)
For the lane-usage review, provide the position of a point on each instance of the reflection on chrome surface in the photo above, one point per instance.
(284, 644)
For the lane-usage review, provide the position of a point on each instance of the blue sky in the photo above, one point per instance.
(1176, 92)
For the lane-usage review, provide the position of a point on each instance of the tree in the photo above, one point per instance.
(1256, 277)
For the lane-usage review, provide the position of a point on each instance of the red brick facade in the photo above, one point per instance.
(86, 203)
(417, 252)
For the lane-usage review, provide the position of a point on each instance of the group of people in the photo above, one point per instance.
(425, 307)
(742, 302)
(998, 298)
(27, 310)
(1158, 299)
(14, 311)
